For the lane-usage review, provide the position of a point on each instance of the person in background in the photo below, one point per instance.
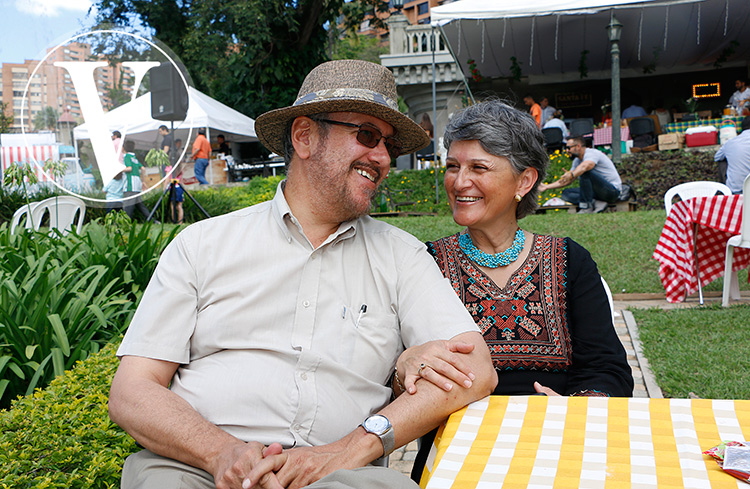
(133, 183)
(262, 351)
(177, 147)
(222, 145)
(117, 143)
(177, 197)
(633, 110)
(539, 300)
(534, 109)
(599, 182)
(734, 158)
(167, 145)
(557, 121)
(114, 192)
(741, 97)
(201, 154)
(547, 110)
(664, 115)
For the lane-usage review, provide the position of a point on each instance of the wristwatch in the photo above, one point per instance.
(377, 424)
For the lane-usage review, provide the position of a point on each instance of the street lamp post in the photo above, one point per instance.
(614, 29)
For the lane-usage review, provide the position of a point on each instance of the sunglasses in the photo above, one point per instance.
(370, 136)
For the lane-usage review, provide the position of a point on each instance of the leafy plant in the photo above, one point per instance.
(63, 298)
(474, 70)
(62, 437)
(583, 68)
(156, 158)
(515, 69)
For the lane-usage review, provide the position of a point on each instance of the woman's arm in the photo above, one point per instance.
(600, 364)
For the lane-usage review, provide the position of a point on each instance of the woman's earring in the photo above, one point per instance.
(518, 198)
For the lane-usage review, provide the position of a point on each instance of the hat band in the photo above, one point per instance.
(347, 94)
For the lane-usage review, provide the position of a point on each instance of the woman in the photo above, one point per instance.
(538, 300)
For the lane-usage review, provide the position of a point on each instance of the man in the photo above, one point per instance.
(599, 182)
(201, 154)
(267, 337)
(734, 158)
(634, 110)
(535, 110)
(222, 145)
(547, 110)
(167, 143)
(740, 98)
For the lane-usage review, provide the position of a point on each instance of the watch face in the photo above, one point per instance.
(376, 423)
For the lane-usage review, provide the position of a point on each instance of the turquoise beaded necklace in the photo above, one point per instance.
(502, 259)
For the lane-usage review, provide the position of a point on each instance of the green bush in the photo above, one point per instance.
(62, 437)
(652, 174)
(64, 297)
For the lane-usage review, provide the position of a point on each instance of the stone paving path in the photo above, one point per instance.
(645, 385)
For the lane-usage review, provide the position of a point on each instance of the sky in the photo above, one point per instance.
(29, 27)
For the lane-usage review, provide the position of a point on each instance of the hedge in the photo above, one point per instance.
(62, 437)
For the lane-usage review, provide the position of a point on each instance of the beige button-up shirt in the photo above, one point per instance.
(280, 342)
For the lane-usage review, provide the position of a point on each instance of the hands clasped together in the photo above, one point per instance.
(253, 465)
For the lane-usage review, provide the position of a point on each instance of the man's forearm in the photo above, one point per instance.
(416, 414)
(160, 420)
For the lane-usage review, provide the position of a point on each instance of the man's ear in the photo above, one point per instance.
(302, 137)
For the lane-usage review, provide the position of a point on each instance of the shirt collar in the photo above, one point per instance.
(283, 216)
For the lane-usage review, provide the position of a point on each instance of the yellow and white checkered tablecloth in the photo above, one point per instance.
(541, 442)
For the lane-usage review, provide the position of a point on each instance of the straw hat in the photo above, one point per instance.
(344, 86)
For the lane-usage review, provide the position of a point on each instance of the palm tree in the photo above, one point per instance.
(46, 119)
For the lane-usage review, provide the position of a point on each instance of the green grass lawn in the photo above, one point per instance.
(701, 350)
(621, 243)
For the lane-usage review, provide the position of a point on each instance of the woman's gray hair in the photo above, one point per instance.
(507, 132)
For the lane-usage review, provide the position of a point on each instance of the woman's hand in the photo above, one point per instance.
(544, 390)
(439, 362)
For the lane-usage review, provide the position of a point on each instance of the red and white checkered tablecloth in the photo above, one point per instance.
(603, 135)
(718, 218)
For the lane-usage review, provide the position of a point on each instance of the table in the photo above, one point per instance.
(718, 218)
(683, 126)
(603, 135)
(586, 442)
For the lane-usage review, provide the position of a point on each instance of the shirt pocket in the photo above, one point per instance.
(372, 344)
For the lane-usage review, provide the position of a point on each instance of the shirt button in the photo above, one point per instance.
(306, 303)
(296, 428)
(303, 376)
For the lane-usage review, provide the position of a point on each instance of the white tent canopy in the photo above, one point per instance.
(134, 120)
(553, 39)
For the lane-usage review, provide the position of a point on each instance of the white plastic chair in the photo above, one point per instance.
(609, 298)
(691, 190)
(731, 282)
(64, 212)
(18, 217)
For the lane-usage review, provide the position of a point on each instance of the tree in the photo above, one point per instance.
(355, 46)
(6, 121)
(250, 54)
(46, 119)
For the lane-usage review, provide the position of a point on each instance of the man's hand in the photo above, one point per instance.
(443, 364)
(300, 467)
(233, 464)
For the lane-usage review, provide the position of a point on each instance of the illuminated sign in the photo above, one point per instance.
(706, 90)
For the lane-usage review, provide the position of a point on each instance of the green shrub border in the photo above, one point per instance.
(62, 437)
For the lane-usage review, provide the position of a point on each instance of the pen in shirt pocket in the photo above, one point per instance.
(362, 311)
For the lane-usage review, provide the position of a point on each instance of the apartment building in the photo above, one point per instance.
(416, 12)
(51, 86)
